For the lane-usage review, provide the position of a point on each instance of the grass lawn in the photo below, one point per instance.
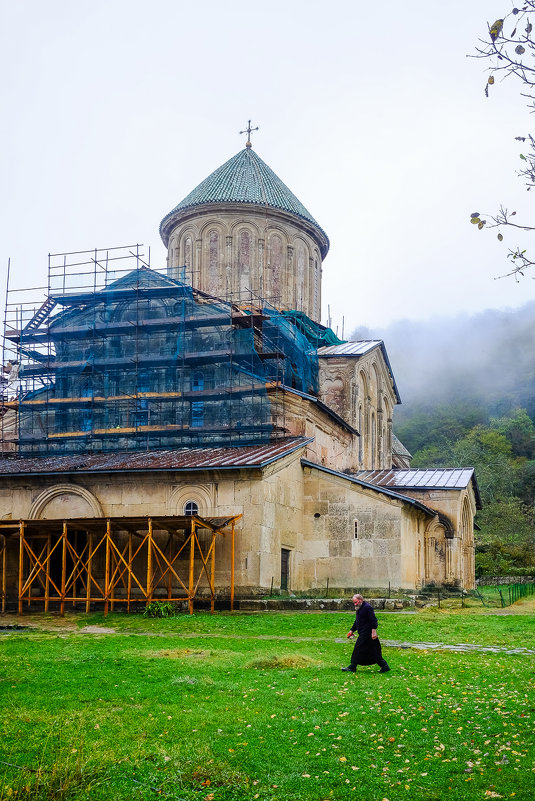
(255, 706)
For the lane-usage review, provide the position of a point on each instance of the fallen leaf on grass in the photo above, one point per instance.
(283, 662)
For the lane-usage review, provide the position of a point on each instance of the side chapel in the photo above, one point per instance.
(194, 429)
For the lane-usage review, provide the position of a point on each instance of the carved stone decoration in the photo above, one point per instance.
(65, 501)
(213, 263)
(201, 494)
(266, 256)
(244, 266)
(275, 269)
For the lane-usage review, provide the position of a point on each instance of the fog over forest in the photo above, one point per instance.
(487, 359)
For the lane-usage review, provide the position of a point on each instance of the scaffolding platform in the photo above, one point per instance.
(115, 355)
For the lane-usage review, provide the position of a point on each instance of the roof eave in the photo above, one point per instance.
(382, 490)
(258, 465)
(176, 215)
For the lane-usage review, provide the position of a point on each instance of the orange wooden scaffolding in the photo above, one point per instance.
(116, 560)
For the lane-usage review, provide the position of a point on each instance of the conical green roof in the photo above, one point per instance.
(244, 178)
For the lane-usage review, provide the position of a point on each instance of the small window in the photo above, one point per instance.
(191, 508)
(356, 530)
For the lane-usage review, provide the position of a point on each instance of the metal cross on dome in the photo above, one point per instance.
(248, 131)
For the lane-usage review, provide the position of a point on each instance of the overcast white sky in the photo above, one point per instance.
(112, 111)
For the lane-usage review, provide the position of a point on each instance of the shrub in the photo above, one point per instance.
(160, 609)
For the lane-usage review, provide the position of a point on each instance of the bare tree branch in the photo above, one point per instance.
(510, 49)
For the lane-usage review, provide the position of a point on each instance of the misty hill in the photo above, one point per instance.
(460, 371)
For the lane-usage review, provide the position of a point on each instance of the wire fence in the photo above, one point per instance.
(505, 595)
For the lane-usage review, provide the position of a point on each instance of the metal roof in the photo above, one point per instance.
(359, 348)
(421, 479)
(245, 178)
(355, 478)
(176, 460)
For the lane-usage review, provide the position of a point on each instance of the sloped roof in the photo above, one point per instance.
(420, 479)
(175, 460)
(399, 448)
(356, 478)
(244, 178)
(141, 277)
(356, 349)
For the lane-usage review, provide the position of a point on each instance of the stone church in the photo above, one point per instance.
(193, 429)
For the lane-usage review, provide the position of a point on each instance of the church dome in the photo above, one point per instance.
(245, 178)
(243, 236)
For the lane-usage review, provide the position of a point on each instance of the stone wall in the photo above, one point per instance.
(332, 528)
(357, 537)
(360, 389)
(496, 580)
(333, 445)
(449, 539)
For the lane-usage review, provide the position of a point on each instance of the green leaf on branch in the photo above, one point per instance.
(495, 29)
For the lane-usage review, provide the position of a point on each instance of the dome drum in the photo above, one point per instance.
(244, 236)
(243, 254)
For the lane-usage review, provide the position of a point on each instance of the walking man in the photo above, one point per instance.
(367, 650)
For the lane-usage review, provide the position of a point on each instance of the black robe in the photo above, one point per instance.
(366, 651)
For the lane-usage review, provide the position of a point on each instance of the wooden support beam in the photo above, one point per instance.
(89, 571)
(107, 569)
(21, 563)
(232, 568)
(129, 579)
(75, 573)
(63, 569)
(4, 577)
(149, 563)
(191, 585)
(212, 576)
(168, 571)
(47, 575)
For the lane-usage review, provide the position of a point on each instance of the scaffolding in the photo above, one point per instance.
(116, 562)
(114, 355)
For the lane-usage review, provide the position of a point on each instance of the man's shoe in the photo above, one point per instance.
(385, 669)
(349, 669)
